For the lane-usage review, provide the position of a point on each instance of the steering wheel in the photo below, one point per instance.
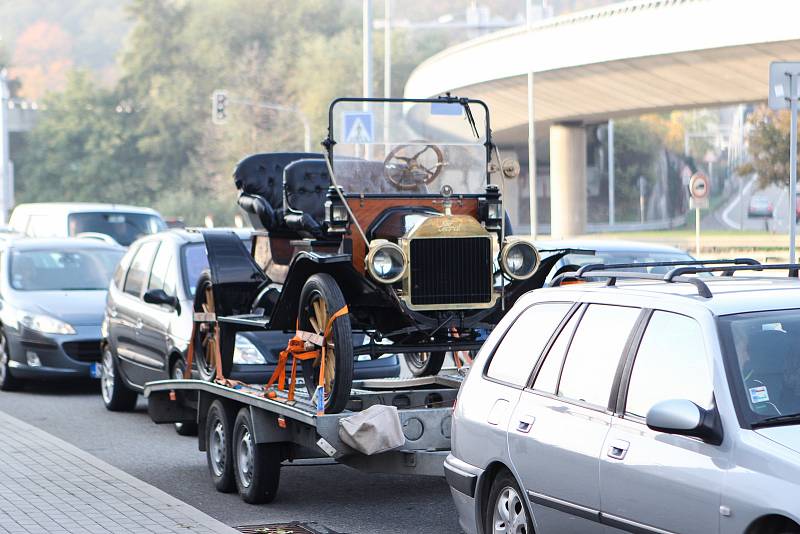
(408, 172)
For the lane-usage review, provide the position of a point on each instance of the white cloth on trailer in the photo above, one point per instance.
(374, 430)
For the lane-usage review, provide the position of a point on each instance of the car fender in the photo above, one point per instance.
(306, 264)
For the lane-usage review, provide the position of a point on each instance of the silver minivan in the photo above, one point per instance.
(638, 406)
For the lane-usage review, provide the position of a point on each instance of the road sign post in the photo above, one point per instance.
(783, 93)
(699, 188)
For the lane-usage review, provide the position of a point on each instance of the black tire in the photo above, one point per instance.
(219, 456)
(424, 363)
(116, 395)
(322, 288)
(257, 466)
(206, 365)
(183, 429)
(8, 382)
(503, 486)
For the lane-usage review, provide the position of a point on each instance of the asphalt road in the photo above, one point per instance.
(733, 214)
(336, 497)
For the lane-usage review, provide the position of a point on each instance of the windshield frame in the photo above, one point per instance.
(330, 142)
(747, 418)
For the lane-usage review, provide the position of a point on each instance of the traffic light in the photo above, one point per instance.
(218, 102)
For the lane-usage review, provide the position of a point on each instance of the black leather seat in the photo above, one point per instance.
(305, 185)
(259, 179)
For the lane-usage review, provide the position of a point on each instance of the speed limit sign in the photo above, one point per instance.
(699, 186)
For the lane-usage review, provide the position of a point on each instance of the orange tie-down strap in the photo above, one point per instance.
(301, 347)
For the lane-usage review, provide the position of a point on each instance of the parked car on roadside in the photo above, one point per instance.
(760, 206)
(52, 295)
(113, 223)
(652, 405)
(148, 322)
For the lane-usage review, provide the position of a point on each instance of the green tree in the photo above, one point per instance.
(768, 145)
(83, 149)
(637, 144)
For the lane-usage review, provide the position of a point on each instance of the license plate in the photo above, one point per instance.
(95, 371)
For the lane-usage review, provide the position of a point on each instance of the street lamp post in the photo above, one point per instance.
(6, 184)
(531, 124)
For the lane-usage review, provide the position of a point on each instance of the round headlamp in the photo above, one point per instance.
(386, 262)
(519, 260)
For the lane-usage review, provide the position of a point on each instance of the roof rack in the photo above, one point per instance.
(727, 267)
(604, 267)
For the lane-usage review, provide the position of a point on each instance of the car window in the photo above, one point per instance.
(140, 268)
(171, 279)
(62, 269)
(124, 228)
(670, 364)
(594, 353)
(195, 261)
(547, 377)
(160, 267)
(122, 266)
(520, 348)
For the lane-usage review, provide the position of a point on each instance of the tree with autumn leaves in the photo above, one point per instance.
(768, 145)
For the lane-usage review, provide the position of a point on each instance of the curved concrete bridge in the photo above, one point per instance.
(624, 59)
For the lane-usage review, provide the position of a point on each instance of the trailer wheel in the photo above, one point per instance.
(257, 465)
(204, 334)
(219, 433)
(319, 300)
(424, 363)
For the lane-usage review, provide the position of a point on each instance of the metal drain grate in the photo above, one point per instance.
(278, 528)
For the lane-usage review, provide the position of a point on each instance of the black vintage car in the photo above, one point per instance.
(399, 226)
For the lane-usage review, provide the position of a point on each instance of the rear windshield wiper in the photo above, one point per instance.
(778, 420)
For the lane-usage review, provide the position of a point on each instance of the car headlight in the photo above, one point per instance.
(244, 352)
(44, 323)
(386, 261)
(519, 260)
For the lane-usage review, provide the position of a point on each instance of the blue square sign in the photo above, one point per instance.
(358, 127)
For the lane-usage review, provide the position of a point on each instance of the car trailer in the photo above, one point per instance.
(248, 435)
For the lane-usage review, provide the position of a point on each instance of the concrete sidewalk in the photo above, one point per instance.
(48, 485)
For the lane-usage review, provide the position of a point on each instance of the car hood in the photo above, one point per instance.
(78, 308)
(786, 435)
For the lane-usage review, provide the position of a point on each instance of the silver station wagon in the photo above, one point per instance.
(646, 403)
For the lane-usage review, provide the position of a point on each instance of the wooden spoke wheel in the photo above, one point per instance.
(424, 363)
(209, 338)
(319, 300)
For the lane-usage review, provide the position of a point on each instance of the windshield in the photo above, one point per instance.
(409, 148)
(763, 356)
(62, 270)
(125, 228)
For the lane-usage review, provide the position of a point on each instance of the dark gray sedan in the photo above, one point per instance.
(52, 298)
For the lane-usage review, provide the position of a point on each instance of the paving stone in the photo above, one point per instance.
(46, 483)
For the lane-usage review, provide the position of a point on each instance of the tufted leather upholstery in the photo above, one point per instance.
(259, 178)
(306, 183)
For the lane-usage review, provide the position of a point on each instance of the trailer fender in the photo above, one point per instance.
(267, 428)
(340, 266)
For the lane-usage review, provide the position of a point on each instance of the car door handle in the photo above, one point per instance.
(618, 448)
(525, 424)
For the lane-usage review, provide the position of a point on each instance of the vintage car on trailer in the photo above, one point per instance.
(397, 231)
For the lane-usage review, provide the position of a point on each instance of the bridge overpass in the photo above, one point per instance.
(621, 60)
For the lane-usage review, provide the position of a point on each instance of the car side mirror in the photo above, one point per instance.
(684, 418)
(159, 296)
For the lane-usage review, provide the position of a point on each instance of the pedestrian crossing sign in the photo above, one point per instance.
(358, 127)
